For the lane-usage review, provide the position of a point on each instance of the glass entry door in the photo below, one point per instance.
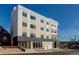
(27, 44)
(37, 45)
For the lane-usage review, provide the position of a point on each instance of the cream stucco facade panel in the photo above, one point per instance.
(47, 45)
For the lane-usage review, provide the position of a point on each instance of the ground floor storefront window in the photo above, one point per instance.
(28, 44)
(37, 44)
(24, 44)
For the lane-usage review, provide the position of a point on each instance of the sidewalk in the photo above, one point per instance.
(28, 51)
(10, 51)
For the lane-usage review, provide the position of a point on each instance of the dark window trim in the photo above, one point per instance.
(47, 23)
(47, 30)
(24, 14)
(42, 28)
(33, 17)
(42, 21)
(24, 24)
(24, 35)
(32, 26)
(42, 36)
(47, 37)
(32, 35)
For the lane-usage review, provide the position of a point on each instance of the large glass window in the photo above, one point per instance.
(52, 31)
(27, 44)
(42, 21)
(47, 37)
(47, 30)
(55, 31)
(32, 35)
(4, 39)
(42, 28)
(37, 44)
(53, 37)
(42, 36)
(24, 14)
(24, 34)
(32, 26)
(53, 25)
(24, 24)
(47, 23)
(33, 17)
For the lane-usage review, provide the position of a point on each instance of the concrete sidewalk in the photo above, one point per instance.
(10, 51)
(18, 51)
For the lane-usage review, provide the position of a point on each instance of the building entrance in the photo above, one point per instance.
(27, 44)
(37, 44)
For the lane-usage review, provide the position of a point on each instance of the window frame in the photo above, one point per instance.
(24, 24)
(32, 26)
(32, 35)
(42, 36)
(24, 14)
(32, 17)
(47, 37)
(47, 30)
(42, 28)
(42, 21)
(24, 34)
(47, 23)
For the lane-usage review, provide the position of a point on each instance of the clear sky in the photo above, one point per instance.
(66, 15)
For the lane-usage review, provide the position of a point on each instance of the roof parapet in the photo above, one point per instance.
(54, 21)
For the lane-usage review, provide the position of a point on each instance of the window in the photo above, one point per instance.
(42, 36)
(42, 28)
(33, 17)
(37, 44)
(52, 25)
(47, 23)
(55, 32)
(24, 34)
(47, 37)
(32, 35)
(24, 24)
(47, 30)
(42, 21)
(32, 26)
(52, 31)
(4, 39)
(53, 37)
(24, 14)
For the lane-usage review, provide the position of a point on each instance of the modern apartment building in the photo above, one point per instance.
(32, 30)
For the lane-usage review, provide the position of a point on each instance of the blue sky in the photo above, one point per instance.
(66, 15)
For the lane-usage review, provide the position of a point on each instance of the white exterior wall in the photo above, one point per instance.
(47, 45)
(17, 20)
(14, 21)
